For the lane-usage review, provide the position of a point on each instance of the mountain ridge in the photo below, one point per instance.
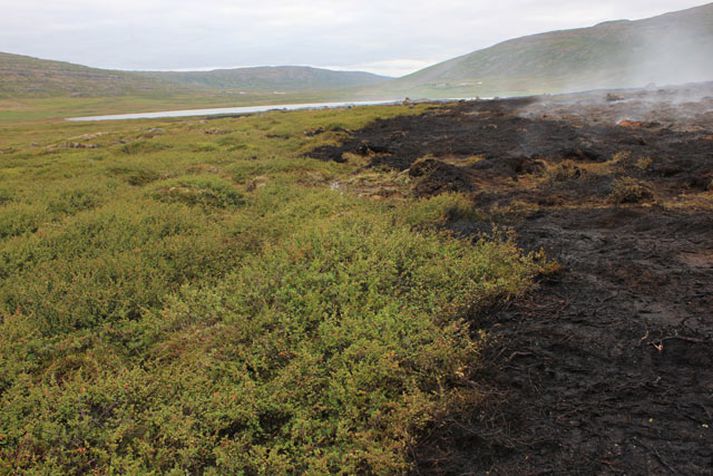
(270, 77)
(26, 76)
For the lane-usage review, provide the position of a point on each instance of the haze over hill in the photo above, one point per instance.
(669, 49)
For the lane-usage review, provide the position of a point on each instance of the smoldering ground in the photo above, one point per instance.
(607, 368)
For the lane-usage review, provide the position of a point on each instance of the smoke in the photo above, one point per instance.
(668, 51)
(681, 108)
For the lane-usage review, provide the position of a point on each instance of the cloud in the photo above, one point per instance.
(393, 37)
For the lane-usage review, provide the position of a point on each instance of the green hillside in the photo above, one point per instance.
(270, 78)
(672, 48)
(23, 76)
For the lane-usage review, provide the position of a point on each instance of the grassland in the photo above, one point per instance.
(192, 296)
(60, 107)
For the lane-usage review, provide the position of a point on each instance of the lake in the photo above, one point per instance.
(229, 111)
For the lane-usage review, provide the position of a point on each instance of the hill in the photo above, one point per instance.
(270, 78)
(668, 49)
(23, 76)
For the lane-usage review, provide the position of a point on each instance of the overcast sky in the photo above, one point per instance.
(390, 37)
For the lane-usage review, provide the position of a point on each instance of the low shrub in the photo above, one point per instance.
(74, 201)
(327, 352)
(142, 147)
(136, 177)
(107, 265)
(5, 197)
(181, 329)
(17, 219)
(439, 210)
(205, 191)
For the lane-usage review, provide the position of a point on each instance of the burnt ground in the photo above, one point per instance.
(606, 367)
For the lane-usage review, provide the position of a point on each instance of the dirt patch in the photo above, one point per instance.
(700, 260)
(607, 367)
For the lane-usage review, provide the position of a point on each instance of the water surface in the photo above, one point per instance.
(229, 111)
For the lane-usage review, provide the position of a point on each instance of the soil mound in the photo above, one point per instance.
(433, 177)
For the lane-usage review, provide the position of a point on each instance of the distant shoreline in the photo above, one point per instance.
(225, 111)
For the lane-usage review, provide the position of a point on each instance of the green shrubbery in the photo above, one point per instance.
(328, 351)
(198, 325)
(17, 219)
(137, 177)
(440, 210)
(142, 147)
(106, 266)
(207, 191)
(5, 197)
(73, 202)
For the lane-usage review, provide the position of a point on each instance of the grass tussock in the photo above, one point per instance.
(440, 210)
(565, 171)
(158, 314)
(628, 190)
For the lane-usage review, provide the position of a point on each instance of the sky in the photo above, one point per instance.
(387, 37)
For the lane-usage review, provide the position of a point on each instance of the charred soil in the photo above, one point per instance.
(606, 367)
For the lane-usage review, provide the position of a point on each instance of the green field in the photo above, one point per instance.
(197, 297)
(61, 107)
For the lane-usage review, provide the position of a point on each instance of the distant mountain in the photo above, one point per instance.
(23, 76)
(671, 48)
(270, 78)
